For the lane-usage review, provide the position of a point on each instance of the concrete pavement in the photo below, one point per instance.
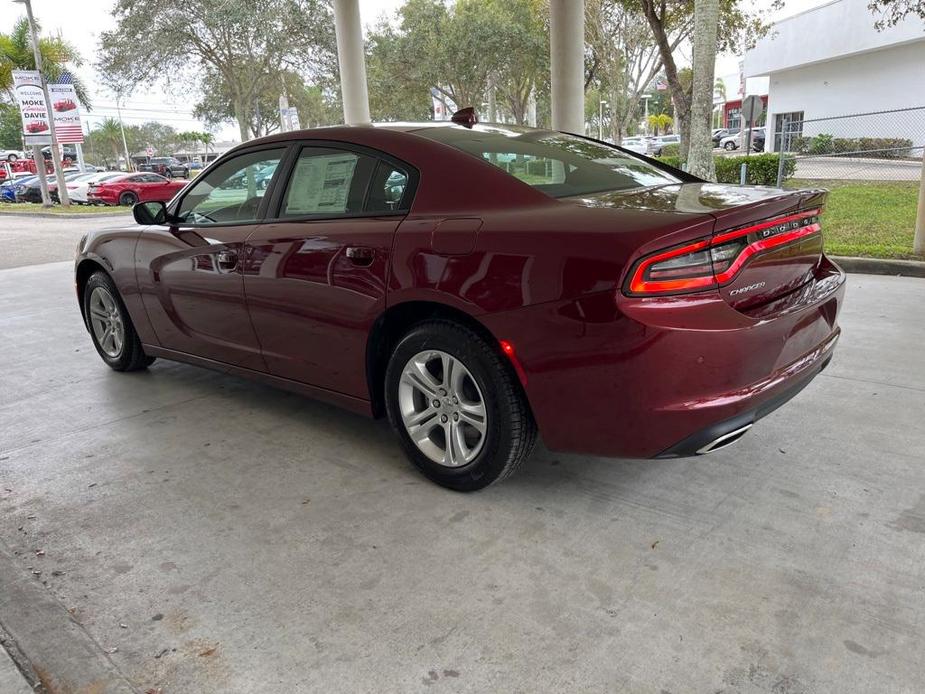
(207, 534)
(30, 240)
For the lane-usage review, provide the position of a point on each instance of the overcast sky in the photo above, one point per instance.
(81, 22)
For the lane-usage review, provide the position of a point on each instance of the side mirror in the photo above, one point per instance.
(148, 213)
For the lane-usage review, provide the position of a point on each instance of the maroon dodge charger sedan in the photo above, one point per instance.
(479, 285)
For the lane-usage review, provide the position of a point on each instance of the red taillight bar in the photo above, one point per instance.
(638, 284)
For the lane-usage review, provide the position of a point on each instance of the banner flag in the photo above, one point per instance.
(64, 105)
(27, 85)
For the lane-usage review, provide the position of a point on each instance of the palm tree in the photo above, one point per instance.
(206, 139)
(109, 133)
(661, 121)
(16, 54)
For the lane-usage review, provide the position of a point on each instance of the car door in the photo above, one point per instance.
(190, 271)
(315, 276)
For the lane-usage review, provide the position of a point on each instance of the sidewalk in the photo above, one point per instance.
(11, 679)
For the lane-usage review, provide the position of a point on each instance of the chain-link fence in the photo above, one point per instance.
(877, 146)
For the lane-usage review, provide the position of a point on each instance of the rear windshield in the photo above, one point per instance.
(559, 164)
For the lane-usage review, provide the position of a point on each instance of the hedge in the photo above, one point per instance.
(762, 168)
(867, 147)
(671, 151)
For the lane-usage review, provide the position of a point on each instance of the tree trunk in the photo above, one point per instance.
(679, 97)
(700, 155)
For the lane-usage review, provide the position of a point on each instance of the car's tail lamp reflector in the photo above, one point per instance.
(709, 263)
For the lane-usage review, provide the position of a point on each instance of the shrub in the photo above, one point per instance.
(762, 168)
(671, 151)
(822, 144)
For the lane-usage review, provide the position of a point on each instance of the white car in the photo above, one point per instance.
(77, 189)
(639, 145)
(733, 142)
(11, 155)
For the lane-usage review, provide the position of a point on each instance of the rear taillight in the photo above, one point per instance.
(710, 263)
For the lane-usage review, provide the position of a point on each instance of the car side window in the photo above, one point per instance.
(387, 190)
(233, 191)
(327, 182)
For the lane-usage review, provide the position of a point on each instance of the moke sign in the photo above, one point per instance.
(28, 88)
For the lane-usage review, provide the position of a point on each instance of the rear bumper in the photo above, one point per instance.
(663, 377)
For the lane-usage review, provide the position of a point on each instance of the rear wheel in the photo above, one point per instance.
(458, 412)
(111, 328)
(12, 157)
(128, 199)
(729, 146)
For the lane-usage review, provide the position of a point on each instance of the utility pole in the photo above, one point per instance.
(55, 154)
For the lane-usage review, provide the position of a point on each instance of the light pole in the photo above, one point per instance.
(645, 118)
(55, 159)
(600, 121)
(128, 159)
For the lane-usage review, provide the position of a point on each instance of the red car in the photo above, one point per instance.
(64, 105)
(37, 126)
(132, 188)
(479, 286)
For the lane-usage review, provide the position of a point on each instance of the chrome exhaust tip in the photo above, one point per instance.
(725, 440)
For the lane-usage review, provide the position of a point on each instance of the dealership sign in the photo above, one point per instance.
(67, 114)
(28, 87)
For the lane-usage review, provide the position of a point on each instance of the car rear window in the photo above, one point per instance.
(558, 164)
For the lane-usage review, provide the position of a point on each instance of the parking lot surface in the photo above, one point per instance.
(200, 533)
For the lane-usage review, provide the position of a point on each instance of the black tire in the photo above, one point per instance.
(729, 146)
(132, 356)
(510, 432)
(128, 198)
(12, 158)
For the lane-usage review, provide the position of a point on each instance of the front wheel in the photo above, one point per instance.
(11, 158)
(459, 413)
(729, 146)
(111, 328)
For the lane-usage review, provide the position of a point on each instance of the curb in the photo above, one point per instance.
(877, 266)
(63, 215)
(58, 652)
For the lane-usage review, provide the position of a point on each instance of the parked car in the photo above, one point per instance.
(616, 305)
(29, 189)
(169, 167)
(11, 155)
(9, 186)
(132, 188)
(657, 144)
(734, 142)
(720, 133)
(78, 188)
(639, 145)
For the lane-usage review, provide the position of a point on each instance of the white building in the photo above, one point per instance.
(831, 61)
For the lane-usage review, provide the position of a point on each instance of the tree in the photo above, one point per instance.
(524, 69)
(10, 127)
(624, 60)
(241, 46)
(894, 11)
(109, 135)
(660, 121)
(16, 54)
(700, 154)
(668, 19)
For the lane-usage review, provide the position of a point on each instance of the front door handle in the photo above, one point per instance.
(227, 260)
(360, 255)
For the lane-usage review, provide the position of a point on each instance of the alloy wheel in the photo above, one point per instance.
(442, 408)
(106, 321)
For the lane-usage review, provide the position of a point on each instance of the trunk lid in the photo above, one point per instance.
(773, 222)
